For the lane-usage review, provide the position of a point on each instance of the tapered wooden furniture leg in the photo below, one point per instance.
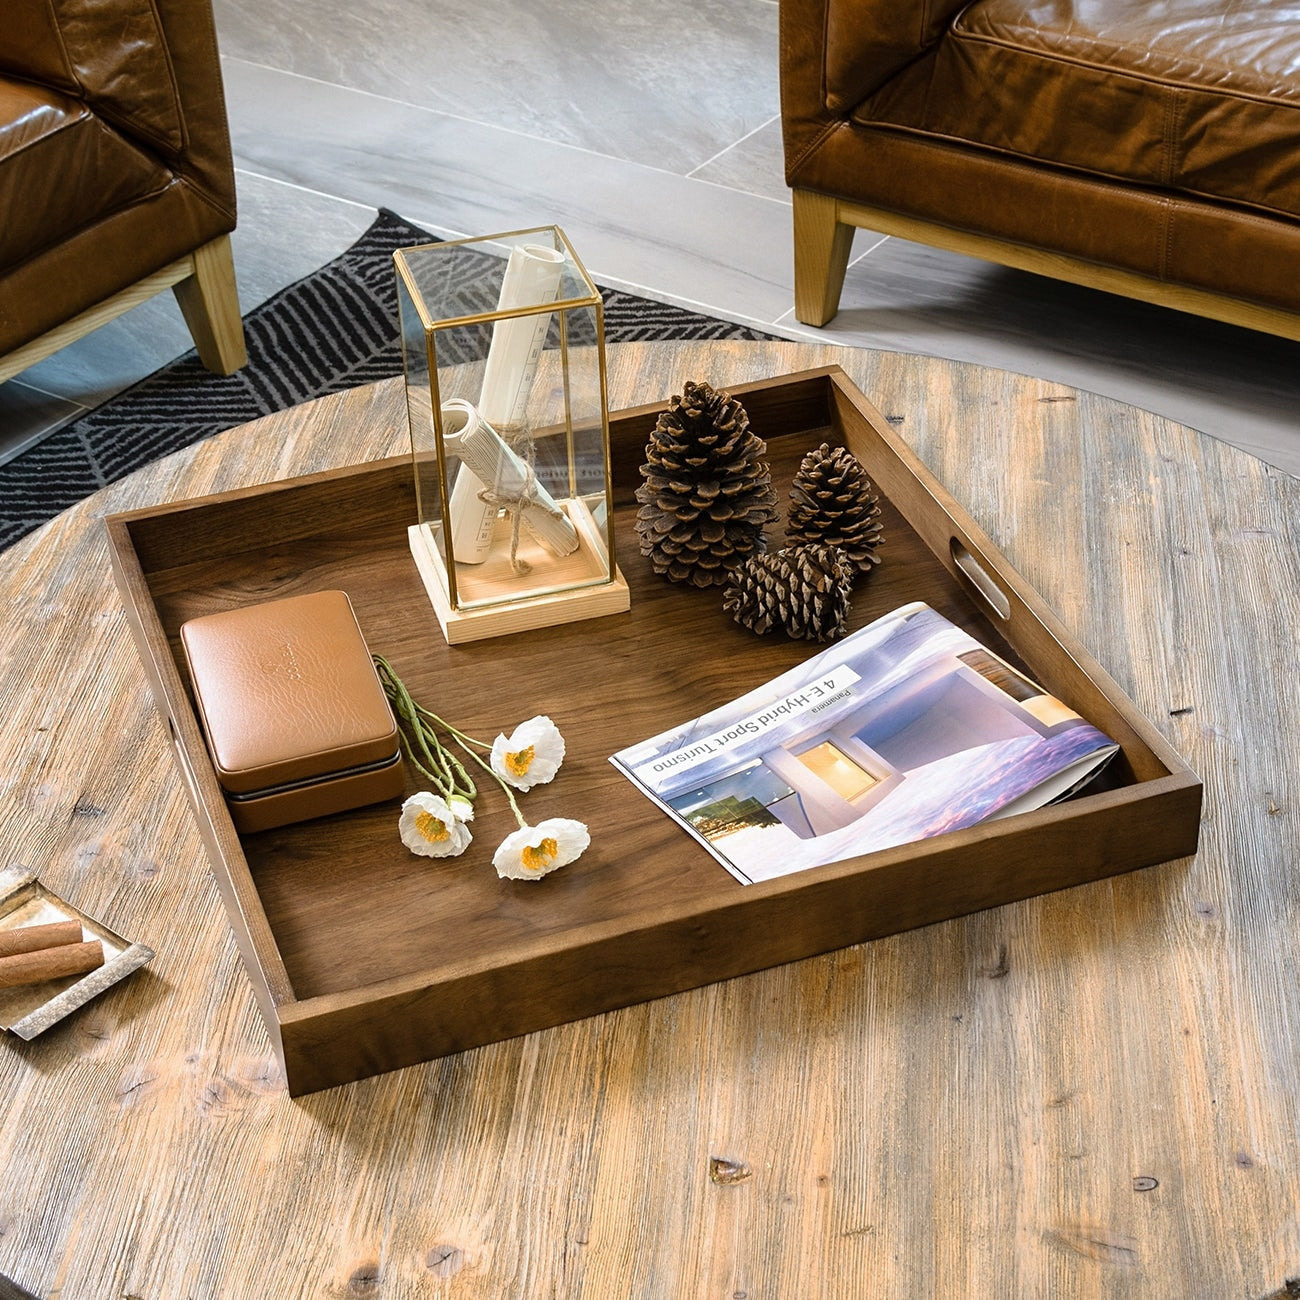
(821, 256)
(209, 302)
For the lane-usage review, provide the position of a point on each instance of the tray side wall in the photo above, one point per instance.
(247, 917)
(245, 519)
(334, 1040)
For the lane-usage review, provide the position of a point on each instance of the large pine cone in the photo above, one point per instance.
(832, 501)
(804, 590)
(707, 492)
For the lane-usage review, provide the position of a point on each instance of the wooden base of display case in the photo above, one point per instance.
(493, 600)
(364, 958)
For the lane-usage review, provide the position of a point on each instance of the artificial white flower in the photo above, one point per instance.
(432, 828)
(532, 851)
(531, 755)
(461, 808)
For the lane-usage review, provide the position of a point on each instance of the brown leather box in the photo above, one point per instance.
(296, 721)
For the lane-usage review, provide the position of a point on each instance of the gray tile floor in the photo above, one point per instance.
(650, 132)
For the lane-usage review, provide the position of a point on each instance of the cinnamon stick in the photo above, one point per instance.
(31, 938)
(50, 963)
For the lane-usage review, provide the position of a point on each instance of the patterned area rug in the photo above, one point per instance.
(290, 359)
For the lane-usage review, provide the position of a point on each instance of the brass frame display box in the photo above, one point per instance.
(365, 958)
(486, 436)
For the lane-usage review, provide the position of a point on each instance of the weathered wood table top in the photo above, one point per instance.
(1094, 1093)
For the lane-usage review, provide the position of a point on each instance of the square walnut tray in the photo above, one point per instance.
(364, 958)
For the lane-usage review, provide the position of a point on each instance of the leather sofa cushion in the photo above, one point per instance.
(1193, 96)
(62, 168)
(867, 42)
(112, 56)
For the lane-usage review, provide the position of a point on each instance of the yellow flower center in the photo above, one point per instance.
(434, 829)
(520, 761)
(535, 857)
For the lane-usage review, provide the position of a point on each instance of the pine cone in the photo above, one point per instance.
(832, 501)
(802, 589)
(707, 492)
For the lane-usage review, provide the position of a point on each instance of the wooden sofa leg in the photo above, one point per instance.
(209, 302)
(821, 256)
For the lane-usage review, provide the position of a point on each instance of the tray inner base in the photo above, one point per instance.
(346, 902)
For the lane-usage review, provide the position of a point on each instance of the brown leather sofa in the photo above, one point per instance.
(116, 178)
(1150, 149)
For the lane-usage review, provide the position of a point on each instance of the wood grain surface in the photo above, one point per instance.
(1088, 1094)
(389, 963)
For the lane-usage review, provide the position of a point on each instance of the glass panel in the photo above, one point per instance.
(513, 411)
(419, 407)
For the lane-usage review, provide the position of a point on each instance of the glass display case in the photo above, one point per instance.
(504, 356)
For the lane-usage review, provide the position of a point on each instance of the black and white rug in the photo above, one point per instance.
(292, 357)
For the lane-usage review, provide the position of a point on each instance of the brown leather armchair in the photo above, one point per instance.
(116, 178)
(1149, 149)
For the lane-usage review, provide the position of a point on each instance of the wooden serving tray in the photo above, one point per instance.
(365, 958)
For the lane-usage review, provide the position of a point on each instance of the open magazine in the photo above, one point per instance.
(903, 730)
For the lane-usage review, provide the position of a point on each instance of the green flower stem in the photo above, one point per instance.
(415, 741)
(497, 777)
(460, 735)
(418, 728)
(420, 742)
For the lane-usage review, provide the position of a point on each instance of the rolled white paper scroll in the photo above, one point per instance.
(532, 276)
(472, 519)
(486, 456)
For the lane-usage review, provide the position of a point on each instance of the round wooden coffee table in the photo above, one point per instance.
(1091, 1093)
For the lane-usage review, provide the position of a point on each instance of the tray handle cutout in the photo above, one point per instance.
(979, 577)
